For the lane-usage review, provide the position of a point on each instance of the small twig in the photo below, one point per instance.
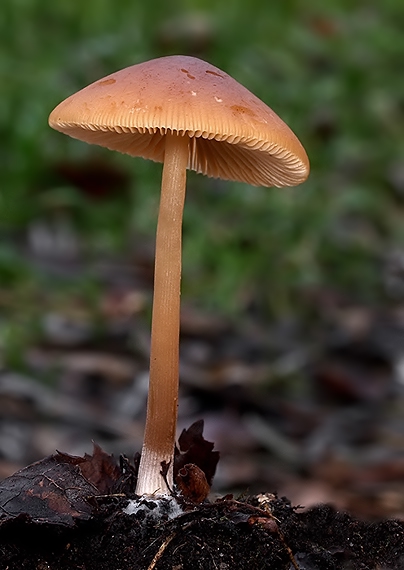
(164, 545)
(265, 511)
(165, 467)
(288, 550)
(266, 507)
(161, 550)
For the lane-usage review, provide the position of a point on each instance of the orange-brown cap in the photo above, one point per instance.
(233, 134)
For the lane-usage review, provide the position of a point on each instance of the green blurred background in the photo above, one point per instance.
(331, 69)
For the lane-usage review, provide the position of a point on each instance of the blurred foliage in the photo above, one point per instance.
(330, 69)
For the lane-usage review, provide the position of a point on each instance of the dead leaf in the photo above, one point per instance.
(49, 491)
(193, 484)
(57, 489)
(194, 449)
(99, 469)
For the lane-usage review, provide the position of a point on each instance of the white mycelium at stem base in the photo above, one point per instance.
(159, 437)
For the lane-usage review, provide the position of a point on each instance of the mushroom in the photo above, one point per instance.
(186, 113)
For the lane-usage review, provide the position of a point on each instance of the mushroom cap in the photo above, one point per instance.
(233, 134)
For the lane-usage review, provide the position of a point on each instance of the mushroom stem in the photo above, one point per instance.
(161, 419)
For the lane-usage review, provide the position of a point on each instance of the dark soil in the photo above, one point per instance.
(261, 532)
(81, 513)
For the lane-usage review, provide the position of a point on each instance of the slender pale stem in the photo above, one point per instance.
(161, 420)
